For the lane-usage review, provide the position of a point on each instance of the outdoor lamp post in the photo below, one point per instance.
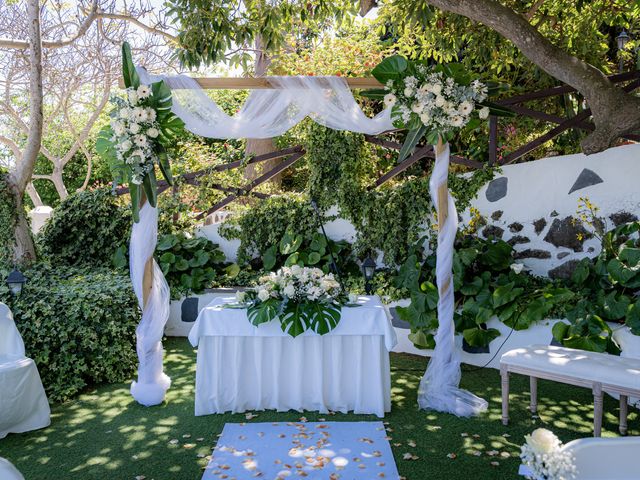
(368, 270)
(622, 40)
(15, 281)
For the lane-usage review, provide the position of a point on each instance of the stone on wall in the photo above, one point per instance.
(561, 255)
(532, 253)
(565, 232)
(493, 231)
(621, 217)
(515, 227)
(539, 225)
(518, 239)
(496, 215)
(497, 189)
(565, 270)
(586, 179)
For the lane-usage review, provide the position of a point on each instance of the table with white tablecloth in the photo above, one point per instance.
(242, 367)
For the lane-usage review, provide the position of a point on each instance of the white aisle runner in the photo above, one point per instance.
(310, 450)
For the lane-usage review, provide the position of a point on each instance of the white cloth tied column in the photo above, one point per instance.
(152, 382)
(439, 386)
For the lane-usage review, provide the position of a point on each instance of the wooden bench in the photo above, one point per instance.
(600, 372)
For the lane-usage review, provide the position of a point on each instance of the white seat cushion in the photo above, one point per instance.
(579, 364)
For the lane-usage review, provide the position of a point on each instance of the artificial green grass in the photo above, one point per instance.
(104, 434)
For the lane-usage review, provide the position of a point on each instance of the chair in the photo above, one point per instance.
(23, 402)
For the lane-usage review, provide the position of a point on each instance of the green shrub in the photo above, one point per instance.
(78, 325)
(7, 222)
(86, 229)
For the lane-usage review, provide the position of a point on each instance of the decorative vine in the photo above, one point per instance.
(7, 222)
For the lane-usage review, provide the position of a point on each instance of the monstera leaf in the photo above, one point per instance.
(263, 312)
(322, 318)
(294, 319)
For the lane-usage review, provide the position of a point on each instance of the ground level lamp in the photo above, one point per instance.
(15, 281)
(368, 270)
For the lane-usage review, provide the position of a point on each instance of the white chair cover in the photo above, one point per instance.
(23, 402)
(8, 471)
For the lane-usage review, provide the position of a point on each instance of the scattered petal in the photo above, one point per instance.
(452, 455)
(174, 441)
(411, 443)
(495, 464)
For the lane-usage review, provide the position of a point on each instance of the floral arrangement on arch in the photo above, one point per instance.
(141, 134)
(302, 298)
(432, 101)
(544, 459)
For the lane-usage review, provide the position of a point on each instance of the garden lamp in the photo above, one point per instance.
(16, 280)
(368, 270)
(622, 40)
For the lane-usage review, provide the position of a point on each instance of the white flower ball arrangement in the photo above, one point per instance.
(299, 284)
(544, 458)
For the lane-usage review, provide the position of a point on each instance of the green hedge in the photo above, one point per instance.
(86, 229)
(78, 325)
(7, 222)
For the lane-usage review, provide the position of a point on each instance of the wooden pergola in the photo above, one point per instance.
(261, 83)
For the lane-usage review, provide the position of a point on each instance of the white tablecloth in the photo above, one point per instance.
(242, 367)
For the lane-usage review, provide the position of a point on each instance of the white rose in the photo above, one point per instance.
(138, 153)
(143, 91)
(151, 114)
(289, 290)
(296, 269)
(124, 113)
(241, 296)
(134, 128)
(440, 101)
(133, 97)
(153, 132)
(517, 267)
(390, 100)
(126, 146)
(417, 107)
(483, 112)
(436, 88)
(425, 88)
(408, 92)
(542, 440)
(425, 118)
(263, 294)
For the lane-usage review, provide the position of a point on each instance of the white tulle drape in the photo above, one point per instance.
(152, 382)
(269, 113)
(439, 385)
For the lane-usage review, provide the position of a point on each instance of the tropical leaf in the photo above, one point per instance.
(374, 93)
(479, 337)
(129, 74)
(294, 319)
(263, 312)
(413, 137)
(150, 186)
(321, 317)
(391, 68)
(135, 191)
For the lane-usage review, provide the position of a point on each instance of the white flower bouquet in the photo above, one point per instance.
(432, 101)
(302, 298)
(140, 135)
(544, 459)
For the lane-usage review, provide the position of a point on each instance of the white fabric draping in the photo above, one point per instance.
(152, 382)
(23, 402)
(439, 386)
(241, 367)
(269, 113)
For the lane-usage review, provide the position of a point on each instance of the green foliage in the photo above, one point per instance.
(86, 229)
(78, 325)
(7, 222)
(189, 264)
(485, 286)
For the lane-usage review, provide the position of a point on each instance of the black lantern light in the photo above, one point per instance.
(368, 270)
(16, 280)
(622, 40)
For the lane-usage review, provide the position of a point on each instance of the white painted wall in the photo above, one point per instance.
(38, 217)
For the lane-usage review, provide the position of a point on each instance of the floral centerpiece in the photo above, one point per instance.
(140, 135)
(432, 101)
(544, 459)
(302, 298)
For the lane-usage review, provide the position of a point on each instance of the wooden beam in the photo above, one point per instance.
(248, 83)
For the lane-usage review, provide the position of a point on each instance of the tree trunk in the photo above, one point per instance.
(34, 195)
(19, 178)
(58, 182)
(615, 113)
(260, 146)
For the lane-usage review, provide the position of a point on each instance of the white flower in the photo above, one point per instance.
(138, 153)
(543, 441)
(124, 113)
(263, 294)
(289, 290)
(151, 114)
(425, 118)
(457, 121)
(140, 140)
(417, 107)
(139, 114)
(408, 92)
(143, 91)
(125, 146)
(440, 101)
(152, 132)
(436, 89)
(134, 128)
(465, 108)
(483, 112)
(517, 267)
(133, 97)
(241, 296)
(390, 100)
(425, 88)
(136, 179)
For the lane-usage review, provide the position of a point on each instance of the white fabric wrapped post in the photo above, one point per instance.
(152, 291)
(439, 385)
(23, 402)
